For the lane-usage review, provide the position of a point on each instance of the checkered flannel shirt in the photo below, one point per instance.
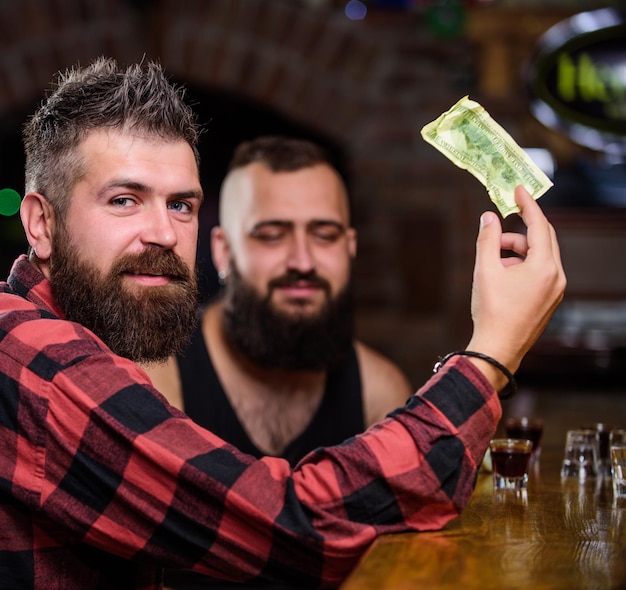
(102, 483)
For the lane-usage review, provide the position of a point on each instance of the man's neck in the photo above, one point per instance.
(274, 405)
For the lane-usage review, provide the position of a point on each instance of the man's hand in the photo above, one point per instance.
(514, 298)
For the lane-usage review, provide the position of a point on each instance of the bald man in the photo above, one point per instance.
(274, 367)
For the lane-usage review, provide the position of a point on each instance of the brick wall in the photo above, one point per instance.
(368, 86)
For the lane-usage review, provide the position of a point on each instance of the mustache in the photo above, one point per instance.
(153, 262)
(294, 277)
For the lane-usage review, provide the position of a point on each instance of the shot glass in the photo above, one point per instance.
(604, 441)
(529, 428)
(581, 454)
(509, 460)
(617, 435)
(618, 464)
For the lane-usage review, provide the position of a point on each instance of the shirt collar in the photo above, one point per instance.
(31, 284)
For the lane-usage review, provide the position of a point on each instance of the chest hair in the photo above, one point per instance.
(274, 416)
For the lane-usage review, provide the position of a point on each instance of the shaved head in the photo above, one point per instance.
(237, 187)
(284, 249)
(243, 185)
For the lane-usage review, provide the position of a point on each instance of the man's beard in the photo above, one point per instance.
(146, 325)
(278, 340)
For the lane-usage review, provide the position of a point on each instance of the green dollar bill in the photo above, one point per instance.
(470, 138)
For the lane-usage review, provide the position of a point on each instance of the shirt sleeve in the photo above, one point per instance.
(108, 459)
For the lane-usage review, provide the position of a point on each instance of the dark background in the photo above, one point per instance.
(363, 89)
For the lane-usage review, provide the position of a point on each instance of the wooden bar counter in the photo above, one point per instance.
(561, 535)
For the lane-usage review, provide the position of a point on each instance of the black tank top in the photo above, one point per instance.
(339, 416)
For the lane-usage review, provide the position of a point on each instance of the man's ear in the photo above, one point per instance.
(220, 251)
(38, 220)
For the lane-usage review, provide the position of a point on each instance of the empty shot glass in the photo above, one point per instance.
(580, 460)
(617, 435)
(604, 435)
(510, 458)
(618, 464)
(524, 427)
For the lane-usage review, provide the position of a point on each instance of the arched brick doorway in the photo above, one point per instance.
(368, 85)
(228, 120)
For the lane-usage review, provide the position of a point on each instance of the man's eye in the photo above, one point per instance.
(327, 235)
(122, 201)
(181, 206)
(268, 235)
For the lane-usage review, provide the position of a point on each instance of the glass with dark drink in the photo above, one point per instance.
(510, 458)
(528, 428)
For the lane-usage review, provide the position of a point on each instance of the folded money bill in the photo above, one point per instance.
(470, 138)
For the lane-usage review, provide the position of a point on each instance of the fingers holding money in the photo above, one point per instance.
(514, 298)
(540, 236)
(516, 242)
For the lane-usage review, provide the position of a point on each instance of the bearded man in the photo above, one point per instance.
(274, 367)
(102, 482)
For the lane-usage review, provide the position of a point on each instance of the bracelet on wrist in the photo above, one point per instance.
(509, 390)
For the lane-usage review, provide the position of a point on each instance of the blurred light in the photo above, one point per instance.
(9, 201)
(544, 159)
(355, 10)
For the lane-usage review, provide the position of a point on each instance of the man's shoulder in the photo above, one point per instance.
(374, 361)
(32, 327)
(385, 385)
(16, 310)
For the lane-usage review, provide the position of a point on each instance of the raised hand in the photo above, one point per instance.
(514, 298)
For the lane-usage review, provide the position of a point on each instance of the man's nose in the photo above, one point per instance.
(301, 256)
(159, 228)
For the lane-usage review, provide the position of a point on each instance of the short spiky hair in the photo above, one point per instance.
(101, 95)
(279, 153)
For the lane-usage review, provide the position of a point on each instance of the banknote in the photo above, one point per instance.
(468, 136)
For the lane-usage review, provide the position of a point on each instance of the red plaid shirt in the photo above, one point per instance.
(102, 483)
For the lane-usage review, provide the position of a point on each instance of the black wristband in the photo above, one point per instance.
(510, 389)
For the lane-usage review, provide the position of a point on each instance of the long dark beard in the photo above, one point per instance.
(272, 339)
(147, 324)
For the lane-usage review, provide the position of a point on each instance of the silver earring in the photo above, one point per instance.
(221, 277)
